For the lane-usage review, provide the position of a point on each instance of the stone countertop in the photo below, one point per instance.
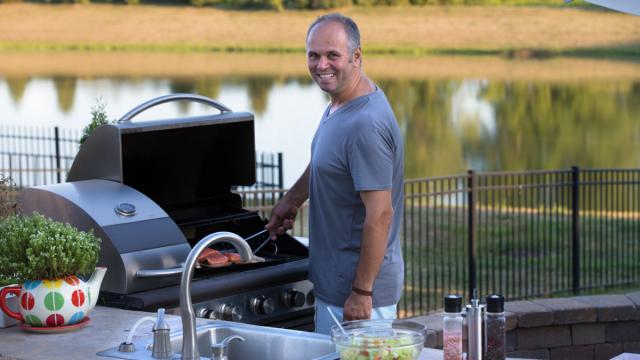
(108, 328)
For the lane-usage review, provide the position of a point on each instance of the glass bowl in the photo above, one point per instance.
(379, 340)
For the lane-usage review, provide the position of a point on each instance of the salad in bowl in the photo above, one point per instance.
(379, 340)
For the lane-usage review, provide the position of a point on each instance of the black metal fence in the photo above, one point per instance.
(33, 156)
(520, 234)
(36, 156)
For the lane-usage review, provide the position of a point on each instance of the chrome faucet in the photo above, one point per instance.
(189, 345)
(219, 351)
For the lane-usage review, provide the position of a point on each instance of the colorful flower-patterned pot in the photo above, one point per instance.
(55, 302)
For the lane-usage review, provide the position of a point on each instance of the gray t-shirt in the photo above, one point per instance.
(356, 148)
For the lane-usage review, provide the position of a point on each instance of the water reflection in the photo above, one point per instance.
(449, 125)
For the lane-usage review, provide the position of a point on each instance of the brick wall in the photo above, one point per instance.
(582, 327)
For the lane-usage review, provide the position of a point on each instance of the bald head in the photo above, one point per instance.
(350, 29)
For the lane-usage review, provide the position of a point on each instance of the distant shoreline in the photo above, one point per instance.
(505, 31)
(510, 53)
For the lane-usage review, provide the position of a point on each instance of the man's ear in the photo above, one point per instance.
(357, 57)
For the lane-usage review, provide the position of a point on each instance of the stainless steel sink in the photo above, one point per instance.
(260, 342)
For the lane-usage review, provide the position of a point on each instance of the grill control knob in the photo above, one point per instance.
(205, 313)
(294, 298)
(262, 305)
(229, 312)
(311, 298)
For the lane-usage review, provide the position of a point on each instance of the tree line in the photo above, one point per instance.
(303, 4)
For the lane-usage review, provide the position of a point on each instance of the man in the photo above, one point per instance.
(354, 183)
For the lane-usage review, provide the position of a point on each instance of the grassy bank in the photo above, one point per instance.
(512, 31)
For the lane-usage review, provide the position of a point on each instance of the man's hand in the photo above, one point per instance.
(282, 218)
(284, 213)
(357, 307)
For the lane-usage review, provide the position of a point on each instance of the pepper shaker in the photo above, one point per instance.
(494, 332)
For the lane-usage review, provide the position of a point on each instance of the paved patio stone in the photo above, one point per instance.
(623, 331)
(543, 337)
(434, 329)
(512, 341)
(572, 353)
(530, 354)
(431, 340)
(607, 351)
(612, 307)
(586, 334)
(530, 314)
(511, 320)
(634, 297)
(631, 347)
(568, 311)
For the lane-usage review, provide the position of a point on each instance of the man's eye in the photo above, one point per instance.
(313, 56)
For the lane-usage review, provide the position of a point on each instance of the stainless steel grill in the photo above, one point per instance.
(151, 189)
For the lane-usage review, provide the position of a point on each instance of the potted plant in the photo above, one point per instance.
(46, 258)
(7, 207)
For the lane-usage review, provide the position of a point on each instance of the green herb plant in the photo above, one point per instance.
(98, 118)
(35, 247)
(7, 205)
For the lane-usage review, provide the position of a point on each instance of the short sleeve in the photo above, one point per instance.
(371, 161)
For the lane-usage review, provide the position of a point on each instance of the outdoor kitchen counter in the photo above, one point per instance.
(108, 328)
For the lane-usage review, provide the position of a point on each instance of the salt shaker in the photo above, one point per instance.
(452, 327)
(494, 332)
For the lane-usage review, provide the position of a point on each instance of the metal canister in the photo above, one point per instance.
(474, 328)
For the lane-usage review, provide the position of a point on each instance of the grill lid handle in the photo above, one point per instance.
(169, 98)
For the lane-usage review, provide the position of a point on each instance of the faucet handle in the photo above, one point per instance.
(219, 350)
(161, 338)
(160, 323)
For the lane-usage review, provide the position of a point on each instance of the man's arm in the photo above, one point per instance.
(375, 234)
(284, 212)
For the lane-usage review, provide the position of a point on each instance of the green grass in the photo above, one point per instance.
(626, 52)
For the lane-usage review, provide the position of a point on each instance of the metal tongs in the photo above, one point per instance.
(255, 236)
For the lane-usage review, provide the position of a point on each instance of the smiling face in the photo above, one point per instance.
(331, 65)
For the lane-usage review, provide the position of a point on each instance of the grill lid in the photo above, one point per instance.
(175, 162)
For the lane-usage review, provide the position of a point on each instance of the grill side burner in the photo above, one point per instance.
(151, 190)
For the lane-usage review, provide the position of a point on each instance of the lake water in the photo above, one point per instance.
(482, 114)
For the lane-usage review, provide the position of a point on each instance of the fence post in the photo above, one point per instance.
(575, 229)
(280, 172)
(56, 133)
(471, 235)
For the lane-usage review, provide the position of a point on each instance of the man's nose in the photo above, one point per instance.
(323, 63)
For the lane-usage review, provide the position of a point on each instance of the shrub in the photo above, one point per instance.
(328, 4)
(35, 247)
(296, 4)
(7, 205)
(98, 118)
(256, 4)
